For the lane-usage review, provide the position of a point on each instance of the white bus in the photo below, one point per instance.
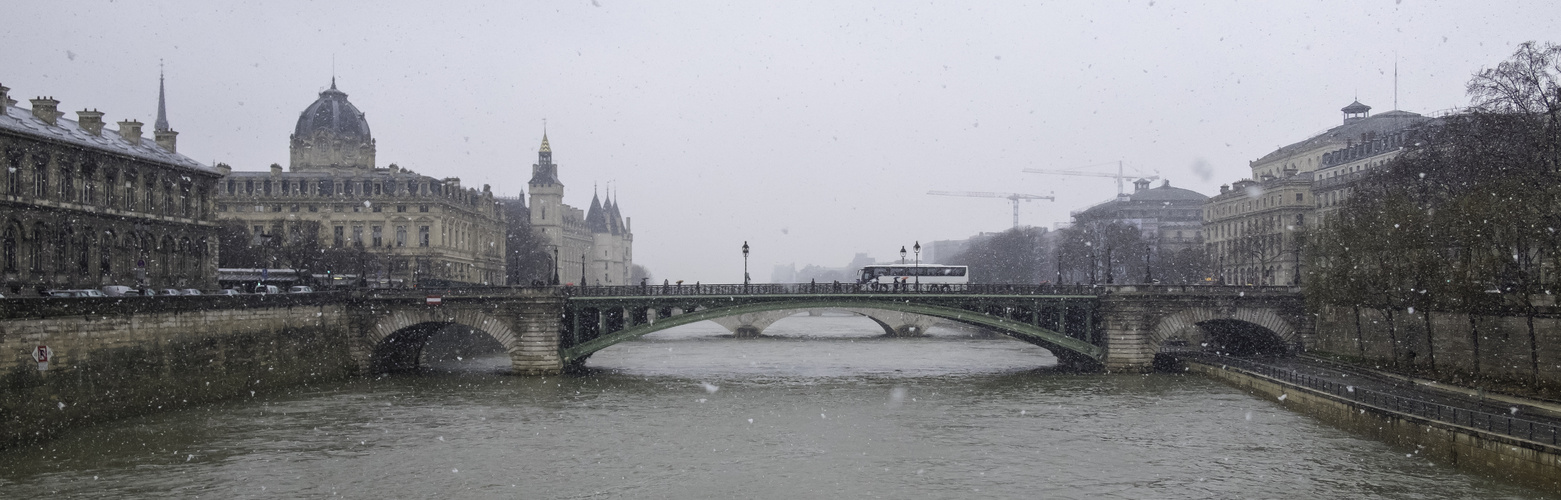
(926, 274)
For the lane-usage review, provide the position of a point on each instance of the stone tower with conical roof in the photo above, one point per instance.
(594, 246)
(331, 135)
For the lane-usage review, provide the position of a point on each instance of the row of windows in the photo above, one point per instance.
(124, 189)
(295, 207)
(330, 187)
(71, 252)
(348, 188)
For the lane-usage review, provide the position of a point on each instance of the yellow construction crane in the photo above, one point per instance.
(1118, 176)
(1014, 197)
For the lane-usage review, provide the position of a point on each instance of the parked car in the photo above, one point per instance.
(300, 289)
(189, 291)
(147, 292)
(267, 289)
(119, 291)
(73, 293)
(228, 291)
(170, 291)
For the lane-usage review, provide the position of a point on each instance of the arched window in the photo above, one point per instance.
(84, 254)
(36, 255)
(62, 244)
(106, 254)
(8, 247)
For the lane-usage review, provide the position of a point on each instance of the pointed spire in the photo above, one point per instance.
(162, 106)
(545, 148)
(333, 82)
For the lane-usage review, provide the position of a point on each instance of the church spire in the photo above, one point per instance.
(162, 107)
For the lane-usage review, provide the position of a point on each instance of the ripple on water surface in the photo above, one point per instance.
(824, 406)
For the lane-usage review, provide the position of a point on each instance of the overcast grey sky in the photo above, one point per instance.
(811, 130)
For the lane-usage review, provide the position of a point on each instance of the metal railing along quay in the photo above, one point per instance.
(1505, 425)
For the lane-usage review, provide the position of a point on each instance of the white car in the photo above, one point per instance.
(189, 291)
(300, 289)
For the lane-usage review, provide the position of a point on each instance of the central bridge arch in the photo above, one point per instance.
(1068, 349)
(396, 340)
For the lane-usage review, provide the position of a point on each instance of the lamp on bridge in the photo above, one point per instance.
(745, 264)
(917, 248)
(902, 254)
(555, 265)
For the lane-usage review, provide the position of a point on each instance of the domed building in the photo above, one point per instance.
(332, 134)
(378, 226)
(1170, 218)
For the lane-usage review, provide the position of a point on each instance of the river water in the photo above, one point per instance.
(821, 407)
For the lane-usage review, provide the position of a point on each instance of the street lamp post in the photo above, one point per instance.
(1148, 274)
(745, 266)
(555, 265)
(917, 248)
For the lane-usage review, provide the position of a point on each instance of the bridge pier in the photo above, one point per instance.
(751, 325)
(898, 324)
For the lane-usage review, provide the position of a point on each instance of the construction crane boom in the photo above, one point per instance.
(1119, 176)
(1014, 197)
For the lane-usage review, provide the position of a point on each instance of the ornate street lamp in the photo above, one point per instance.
(745, 266)
(918, 264)
(902, 254)
(555, 265)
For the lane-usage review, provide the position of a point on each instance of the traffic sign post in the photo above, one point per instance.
(42, 355)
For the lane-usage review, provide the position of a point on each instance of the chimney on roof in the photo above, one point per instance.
(131, 131)
(1224, 188)
(224, 169)
(90, 121)
(1140, 185)
(5, 98)
(167, 139)
(46, 109)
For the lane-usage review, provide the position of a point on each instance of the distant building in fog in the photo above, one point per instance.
(1169, 218)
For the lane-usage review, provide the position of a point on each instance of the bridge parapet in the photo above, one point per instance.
(725, 289)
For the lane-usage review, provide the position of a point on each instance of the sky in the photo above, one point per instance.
(810, 130)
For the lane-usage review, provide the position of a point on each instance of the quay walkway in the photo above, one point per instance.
(1521, 418)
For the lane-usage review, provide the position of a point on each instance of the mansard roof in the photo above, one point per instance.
(21, 121)
(1378, 124)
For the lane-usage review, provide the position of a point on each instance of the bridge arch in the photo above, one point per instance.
(1069, 350)
(1247, 330)
(396, 340)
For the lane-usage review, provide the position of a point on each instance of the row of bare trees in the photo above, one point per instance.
(1101, 252)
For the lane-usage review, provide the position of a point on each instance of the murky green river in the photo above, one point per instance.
(824, 408)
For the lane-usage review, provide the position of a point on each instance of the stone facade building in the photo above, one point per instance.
(594, 246)
(415, 229)
(1169, 218)
(83, 206)
(1255, 228)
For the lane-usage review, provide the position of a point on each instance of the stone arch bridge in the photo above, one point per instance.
(1117, 328)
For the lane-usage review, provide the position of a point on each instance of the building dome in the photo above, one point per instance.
(331, 132)
(1167, 193)
(334, 114)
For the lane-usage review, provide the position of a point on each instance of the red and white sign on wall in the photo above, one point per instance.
(435, 300)
(42, 355)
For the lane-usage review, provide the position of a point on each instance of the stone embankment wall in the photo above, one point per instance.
(115, 357)
(1476, 349)
(1523, 462)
